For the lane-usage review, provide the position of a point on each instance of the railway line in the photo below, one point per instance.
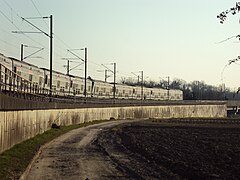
(27, 78)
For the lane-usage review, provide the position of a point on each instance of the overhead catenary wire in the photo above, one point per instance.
(237, 36)
(56, 53)
(57, 37)
(16, 25)
(39, 13)
(17, 14)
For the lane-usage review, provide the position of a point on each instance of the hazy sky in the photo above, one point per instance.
(163, 38)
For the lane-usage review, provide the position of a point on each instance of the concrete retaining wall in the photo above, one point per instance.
(17, 126)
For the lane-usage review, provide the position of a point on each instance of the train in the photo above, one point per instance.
(20, 74)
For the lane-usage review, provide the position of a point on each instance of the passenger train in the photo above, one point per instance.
(63, 84)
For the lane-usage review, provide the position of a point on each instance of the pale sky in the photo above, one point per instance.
(163, 38)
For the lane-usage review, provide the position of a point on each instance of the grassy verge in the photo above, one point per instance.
(14, 161)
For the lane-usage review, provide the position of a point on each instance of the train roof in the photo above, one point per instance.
(88, 78)
(23, 62)
(54, 71)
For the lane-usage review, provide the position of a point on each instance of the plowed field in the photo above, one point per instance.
(195, 149)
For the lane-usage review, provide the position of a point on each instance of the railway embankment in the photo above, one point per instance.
(17, 126)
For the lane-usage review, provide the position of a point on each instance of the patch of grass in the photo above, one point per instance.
(14, 161)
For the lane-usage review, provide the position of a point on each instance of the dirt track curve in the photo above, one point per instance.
(77, 155)
(152, 149)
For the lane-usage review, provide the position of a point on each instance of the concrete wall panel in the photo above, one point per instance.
(17, 126)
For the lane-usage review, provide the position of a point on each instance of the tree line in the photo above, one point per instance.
(195, 90)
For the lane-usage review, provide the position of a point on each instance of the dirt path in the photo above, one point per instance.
(76, 156)
(174, 149)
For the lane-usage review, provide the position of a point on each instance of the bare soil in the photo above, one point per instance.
(198, 149)
(167, 149)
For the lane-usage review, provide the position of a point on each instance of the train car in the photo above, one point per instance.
(137, 92)
(30, 73)
(124, 91)
(37, 80)
(90, 87)
(164, 94)
(5, 61)
(27, 71)
(154, 93)
(103, 89)
(5, 69)
(61, 83)
(78, 88)
(175, 94)
(146, 93)
(21, 76)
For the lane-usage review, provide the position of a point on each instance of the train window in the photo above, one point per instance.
(30, 77)
(97, 89)
(75, 85)
(89, 88)
(15, 69)
(123, 91)
(58, 84)
(40, 81)
(71, 83)
(77, 91)
(66, 86)
(104, 90)
(81, 87)
(46, 79)
(134, 91)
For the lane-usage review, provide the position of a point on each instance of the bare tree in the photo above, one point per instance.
(234, 10)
